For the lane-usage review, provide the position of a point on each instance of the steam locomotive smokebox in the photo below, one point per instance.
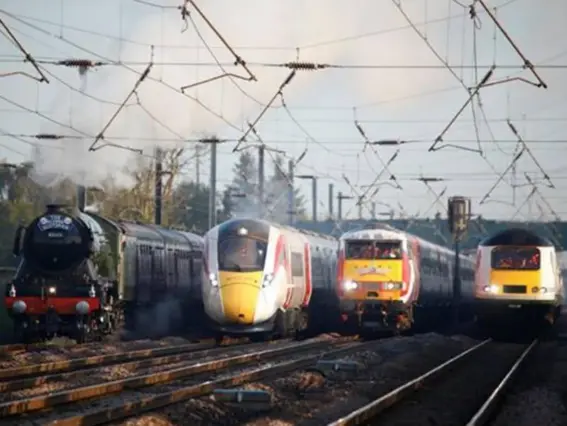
(56, 241)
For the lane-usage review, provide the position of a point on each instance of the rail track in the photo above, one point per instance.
(445, 394)
(20, 378)
(75, 364)
(110, 401)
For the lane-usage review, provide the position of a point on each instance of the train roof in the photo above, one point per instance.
(194, 239)
(161, 234)
(280, 226)
(367, 233)
(169, 235)
(516, 237)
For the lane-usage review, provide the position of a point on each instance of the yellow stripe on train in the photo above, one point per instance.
(239, 295)
(527, 278)
(373, 270)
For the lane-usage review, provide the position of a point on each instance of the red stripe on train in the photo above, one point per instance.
(341, 272)
(62, 305)
(308, 283)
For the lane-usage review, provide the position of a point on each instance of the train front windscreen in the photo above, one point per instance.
(373, 250)
(515, 258)
(242, 246)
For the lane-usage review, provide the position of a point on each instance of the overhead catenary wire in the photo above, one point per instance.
(225, 74)
(368, 142)
(288, 80)
(526, 148)
(527, 64)
(100, 135)
(27, 56)
(129, 68)
(334, 142)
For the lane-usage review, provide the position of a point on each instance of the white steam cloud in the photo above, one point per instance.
(243, 23)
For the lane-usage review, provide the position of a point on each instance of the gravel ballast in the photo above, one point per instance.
(539, 395)
(310, 398)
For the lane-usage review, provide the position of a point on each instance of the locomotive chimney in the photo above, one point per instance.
(81, 197)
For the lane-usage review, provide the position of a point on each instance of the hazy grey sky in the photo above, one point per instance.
(401, 102)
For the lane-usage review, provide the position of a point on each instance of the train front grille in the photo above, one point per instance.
(514, 289)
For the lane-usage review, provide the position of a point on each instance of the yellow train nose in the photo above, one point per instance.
(239, 293)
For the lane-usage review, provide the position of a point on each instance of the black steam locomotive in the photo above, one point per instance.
(80, 275)
(59, 288)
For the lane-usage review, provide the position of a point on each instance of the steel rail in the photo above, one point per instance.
(35, 403)
(364, 414)
(484, 413)
(29, 382)
(368, 412)
(99, 360)
(150, 403)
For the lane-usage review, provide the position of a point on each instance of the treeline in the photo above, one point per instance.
(185, 203)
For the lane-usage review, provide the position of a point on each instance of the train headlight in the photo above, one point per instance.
(493, 288)
(92, 292)
(268, 279)
(543, 290)
(213, 279)
(12, 292)
(393, 286)
(350, 285)
(52, 290)
(19, 307)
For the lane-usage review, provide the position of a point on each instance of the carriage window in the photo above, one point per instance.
(296, 265)
(371, 250)
(515, 258)
(242, 254)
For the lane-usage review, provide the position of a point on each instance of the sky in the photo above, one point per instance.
(388, 73)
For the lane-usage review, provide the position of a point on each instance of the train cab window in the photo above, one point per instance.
(515, 258)
(373, 250)
(241, 254)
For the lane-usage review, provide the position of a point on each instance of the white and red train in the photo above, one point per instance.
(262, 279)
(391, 279)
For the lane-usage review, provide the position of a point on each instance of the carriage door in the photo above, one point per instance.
(143, 273)
(297, 279)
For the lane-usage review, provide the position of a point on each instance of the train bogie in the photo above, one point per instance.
(263, 279)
